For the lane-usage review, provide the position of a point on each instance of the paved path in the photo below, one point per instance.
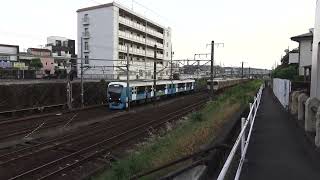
(278, 147)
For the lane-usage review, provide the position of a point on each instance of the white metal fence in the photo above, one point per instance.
(281, 89)
(242, 138)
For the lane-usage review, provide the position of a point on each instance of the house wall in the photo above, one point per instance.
(293, 58)
(305, 53)
(315, 76)
(48, 64)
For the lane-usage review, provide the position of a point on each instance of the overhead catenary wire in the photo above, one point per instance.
(94, 59)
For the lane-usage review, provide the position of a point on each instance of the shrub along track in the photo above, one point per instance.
(53, 158)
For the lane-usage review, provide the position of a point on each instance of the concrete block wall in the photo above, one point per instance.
(307, 109)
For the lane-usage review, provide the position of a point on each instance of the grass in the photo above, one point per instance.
(185, 138)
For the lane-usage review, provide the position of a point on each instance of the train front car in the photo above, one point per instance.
(216, 84)
(117, 95)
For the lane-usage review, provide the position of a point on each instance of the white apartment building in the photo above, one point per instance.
(107, 30)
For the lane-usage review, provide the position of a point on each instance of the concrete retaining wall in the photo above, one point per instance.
(19, 96)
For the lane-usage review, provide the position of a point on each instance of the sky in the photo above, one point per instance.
(253, 31)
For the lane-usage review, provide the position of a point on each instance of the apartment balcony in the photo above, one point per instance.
(86, 50)
(154, 33)
(132, 24)
(139, 52)
(85, 35)
(135, 51)
(132, 37)
(85, 21)
(138, 39)
(140, 27)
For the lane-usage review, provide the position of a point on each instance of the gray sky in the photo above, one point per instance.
(253, 31)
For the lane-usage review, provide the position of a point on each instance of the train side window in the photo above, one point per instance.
(161, 87)
(181, 85)
(148, 89)
(141, 89)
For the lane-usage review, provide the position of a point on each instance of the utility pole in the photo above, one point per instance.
(155, 73)
(242, 69)
(69, 90)
(171, 77)
(128, 78)
(211, 69)
(81, 66)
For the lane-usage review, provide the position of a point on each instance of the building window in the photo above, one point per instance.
(167, 44)
(86, 59)
(168, 34)
(167, 54)
(58, 43)
(86, 46)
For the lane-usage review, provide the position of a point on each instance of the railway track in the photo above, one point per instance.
(96, 134)
(21, 127)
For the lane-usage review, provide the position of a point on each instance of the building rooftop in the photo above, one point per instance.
(39, 50)
(9, 45)
(121, 7)
(306, 36)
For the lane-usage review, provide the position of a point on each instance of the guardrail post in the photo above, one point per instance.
(256, 98)
(250, 117)
(243, 138)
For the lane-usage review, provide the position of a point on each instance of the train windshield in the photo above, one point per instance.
(115, 89)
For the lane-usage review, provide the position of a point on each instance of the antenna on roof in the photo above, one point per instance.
(132, 5)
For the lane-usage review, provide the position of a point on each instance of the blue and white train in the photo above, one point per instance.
(144, 90)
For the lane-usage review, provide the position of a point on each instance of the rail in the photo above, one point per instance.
(32, 108)
(242, 139)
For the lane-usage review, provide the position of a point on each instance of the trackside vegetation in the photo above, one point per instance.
(184, 137)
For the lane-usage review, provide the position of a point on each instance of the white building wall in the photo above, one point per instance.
(315, 76)
(293, 58)
(305, 53)
(281, 89)
(101, 41)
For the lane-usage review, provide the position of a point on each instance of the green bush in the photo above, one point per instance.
(197, 116)
(36, 63)
(285, 72)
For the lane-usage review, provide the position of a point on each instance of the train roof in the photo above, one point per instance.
(228, 79)
(150, 83)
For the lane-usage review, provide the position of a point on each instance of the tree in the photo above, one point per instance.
(286, 72)
(36, 63)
